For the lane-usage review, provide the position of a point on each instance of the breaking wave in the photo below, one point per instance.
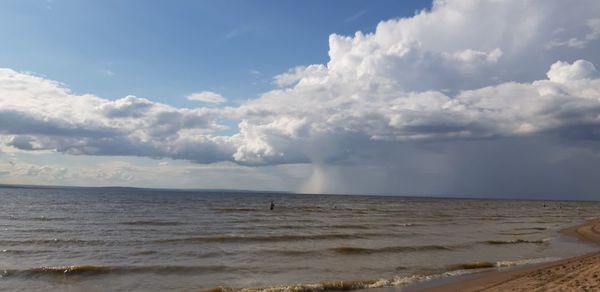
(390, 249)
(453, 270)
(517, 241)
(92, 270)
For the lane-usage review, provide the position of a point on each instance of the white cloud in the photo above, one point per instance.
(308, 74)
(43, 114)
(60, 169)
(207, 96)
(464, 70)
(283, 124)
(563, 72)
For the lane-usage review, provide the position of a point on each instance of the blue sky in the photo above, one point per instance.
(450, 97)
(164, 50)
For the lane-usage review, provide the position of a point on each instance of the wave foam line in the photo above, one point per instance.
(93, 270)
(389, 249)
(454, 270)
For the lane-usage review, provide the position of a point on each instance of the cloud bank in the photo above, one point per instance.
(470, 73)
(40, 114)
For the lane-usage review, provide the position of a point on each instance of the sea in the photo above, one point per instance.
(127, 239)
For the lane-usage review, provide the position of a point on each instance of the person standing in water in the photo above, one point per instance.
(272, 205)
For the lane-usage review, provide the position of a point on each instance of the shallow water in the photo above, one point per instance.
(150, 240)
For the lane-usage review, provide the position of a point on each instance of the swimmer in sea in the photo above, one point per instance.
(272, 205)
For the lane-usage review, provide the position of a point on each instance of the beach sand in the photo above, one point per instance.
(580, 273)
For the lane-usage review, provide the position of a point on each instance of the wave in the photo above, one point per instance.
(23, 251)
(348, 226)
(152, 223)
(53, 242)
(516, 241)
(304, 226)
(44, 218)
(319, 209)
(267, 220)
(498, 264)
(306, 287)
(343, 285)
(92, 270)
(472, 266)
(293, 253)
(235, 210)
(145, 252)
(348, 250)
(40, 218)
(351, 250)
(406, 224)
(532, 228)
(518, 233)
(313, 224)
(188, 254)
(508, 264)
(398, 281)
(268, 238)
(41, 230)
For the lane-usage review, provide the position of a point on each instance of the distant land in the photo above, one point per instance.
(29, 186)
(241, 191)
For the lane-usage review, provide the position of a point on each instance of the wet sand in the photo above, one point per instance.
(574, 274)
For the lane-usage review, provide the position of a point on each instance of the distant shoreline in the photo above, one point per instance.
(581, 273)
(275, 192)
(19, 186)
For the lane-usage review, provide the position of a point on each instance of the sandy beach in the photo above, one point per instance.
(574, 274)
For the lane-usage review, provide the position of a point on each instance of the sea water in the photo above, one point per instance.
(120, 239)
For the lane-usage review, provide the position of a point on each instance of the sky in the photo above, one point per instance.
(445, 98)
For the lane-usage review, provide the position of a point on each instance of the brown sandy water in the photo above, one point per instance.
(581, 273)
(151, 240)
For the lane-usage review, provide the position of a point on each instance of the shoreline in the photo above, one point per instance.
(581, 273)
(577, 273)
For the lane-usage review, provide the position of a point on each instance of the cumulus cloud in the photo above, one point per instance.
(463, 70)
(37, 114)
(308, 74)
(207, 96)
(460, 72)
(287, 125)
(563, 72)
